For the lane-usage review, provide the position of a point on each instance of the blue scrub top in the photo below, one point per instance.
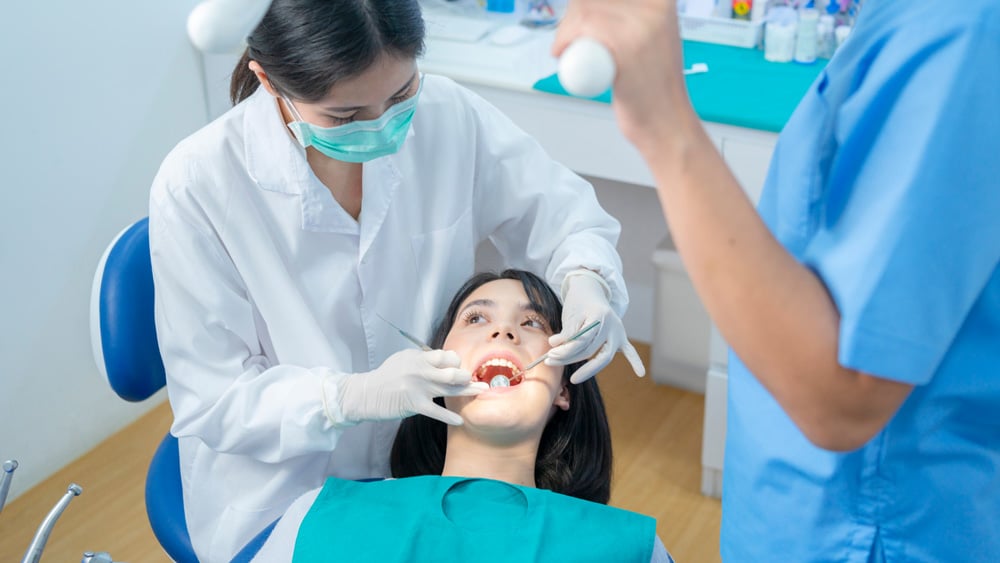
(885, 183)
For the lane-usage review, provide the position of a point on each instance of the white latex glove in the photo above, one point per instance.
(406, 384)
(585, 300)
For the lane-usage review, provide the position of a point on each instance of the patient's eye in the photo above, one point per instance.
(534, 321)
(473, 316)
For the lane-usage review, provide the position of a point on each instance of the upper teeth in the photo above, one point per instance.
(500, 362)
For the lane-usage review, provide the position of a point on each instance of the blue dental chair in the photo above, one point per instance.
(123, 336)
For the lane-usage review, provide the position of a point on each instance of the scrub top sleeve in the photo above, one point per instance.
(221, 388)
(540, 215)
(908, 224)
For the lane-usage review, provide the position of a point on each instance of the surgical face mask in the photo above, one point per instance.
(358, 141)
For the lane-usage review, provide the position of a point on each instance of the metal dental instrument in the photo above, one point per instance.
(8, 475)
(504, 381)
(34, 553)
(499, 381)
(406, 335)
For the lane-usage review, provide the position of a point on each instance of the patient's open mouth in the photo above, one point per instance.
(498, 367)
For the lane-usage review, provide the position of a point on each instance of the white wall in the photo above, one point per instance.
(93, 95)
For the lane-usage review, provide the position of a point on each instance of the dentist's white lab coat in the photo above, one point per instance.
(267, 290)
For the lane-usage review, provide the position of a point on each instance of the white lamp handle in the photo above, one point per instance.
(221, 26)
(586, 68)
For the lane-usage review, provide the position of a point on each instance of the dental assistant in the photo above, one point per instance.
(343, 185)
(862, 303)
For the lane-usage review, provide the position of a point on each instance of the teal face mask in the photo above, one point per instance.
(359, 141)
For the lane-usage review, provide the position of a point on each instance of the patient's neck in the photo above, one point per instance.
(471, 456)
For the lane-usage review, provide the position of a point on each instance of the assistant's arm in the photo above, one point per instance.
(775, 313)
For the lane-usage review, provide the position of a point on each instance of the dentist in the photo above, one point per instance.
(862, 303)
(344, 185)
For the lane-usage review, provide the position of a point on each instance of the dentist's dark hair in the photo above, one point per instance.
(306, 46)
(574, 455)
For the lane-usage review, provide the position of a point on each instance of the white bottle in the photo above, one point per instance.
(805, 41)
(779, 35)
(841, 33)
(826, 42)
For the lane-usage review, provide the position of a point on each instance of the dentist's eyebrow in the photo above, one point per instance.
(396, 95)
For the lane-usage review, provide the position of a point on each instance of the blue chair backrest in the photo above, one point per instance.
(124, 334)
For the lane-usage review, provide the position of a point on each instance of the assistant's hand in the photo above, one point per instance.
(650, 96)
(586, 301)
(406, 384)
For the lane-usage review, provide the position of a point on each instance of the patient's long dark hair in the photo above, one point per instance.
(574, 455)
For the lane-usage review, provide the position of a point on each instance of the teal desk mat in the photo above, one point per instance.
(740, 87)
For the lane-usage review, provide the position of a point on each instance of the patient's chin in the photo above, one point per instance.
(493, 419)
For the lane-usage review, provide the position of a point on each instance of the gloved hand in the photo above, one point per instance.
(406, 384)
(586, 300)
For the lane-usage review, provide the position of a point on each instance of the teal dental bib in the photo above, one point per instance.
(454, 519)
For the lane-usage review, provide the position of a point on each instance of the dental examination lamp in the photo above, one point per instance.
(586, 68)
(221, 26)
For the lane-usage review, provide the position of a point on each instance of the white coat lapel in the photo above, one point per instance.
(380, 180)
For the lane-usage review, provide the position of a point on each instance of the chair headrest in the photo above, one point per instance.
(123, 330)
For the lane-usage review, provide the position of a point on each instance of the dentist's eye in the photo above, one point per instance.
(398, 99)
(340, 120)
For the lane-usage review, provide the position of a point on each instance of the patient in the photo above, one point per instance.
(525, 478)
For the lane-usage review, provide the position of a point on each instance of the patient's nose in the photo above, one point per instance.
(504, 332)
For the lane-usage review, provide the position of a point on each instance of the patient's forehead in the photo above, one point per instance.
(499, 294)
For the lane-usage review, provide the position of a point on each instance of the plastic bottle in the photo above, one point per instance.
(826, 42)
(806, 36)
(840, 34)
(779, 35)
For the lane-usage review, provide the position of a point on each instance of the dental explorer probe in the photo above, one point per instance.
(8, 475)
(405, 334)
(504, 381)
(34, 553)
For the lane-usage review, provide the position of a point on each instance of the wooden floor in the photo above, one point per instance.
(657, 442)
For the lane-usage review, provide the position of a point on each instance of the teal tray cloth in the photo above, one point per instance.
(740, 87)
